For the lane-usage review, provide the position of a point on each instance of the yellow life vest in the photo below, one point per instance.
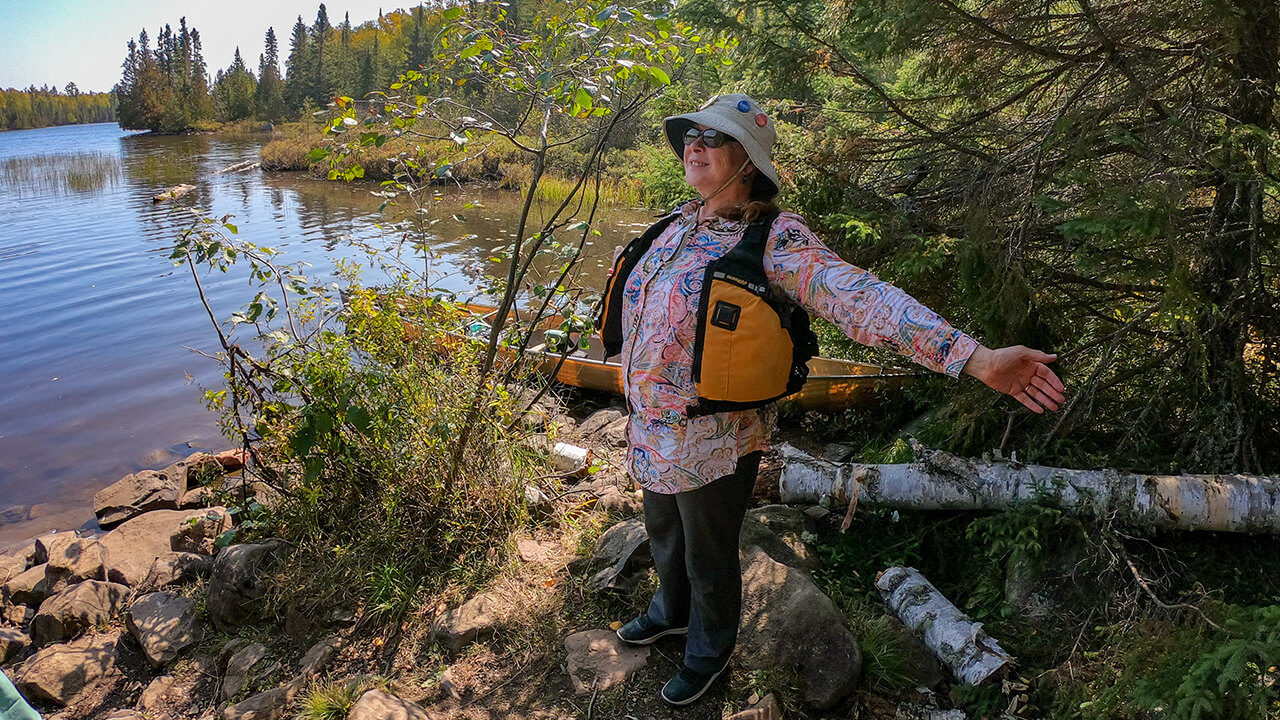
(751, 345)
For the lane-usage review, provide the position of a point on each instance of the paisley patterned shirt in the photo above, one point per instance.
(670, 452)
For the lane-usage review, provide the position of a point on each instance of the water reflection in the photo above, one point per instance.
(95, 377)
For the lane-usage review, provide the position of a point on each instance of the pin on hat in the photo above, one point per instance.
(738, 116)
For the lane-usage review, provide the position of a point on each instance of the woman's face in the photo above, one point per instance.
(707, 168)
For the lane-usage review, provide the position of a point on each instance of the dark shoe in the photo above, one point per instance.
(643, 631)
(688, 685)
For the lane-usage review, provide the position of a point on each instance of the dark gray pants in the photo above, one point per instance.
(694, 536)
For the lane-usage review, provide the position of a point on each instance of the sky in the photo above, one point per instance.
(53, 42)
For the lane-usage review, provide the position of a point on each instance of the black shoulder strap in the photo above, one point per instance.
(610, 321)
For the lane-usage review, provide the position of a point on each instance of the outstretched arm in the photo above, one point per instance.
(1018, 371)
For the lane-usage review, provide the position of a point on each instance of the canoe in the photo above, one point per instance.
(833, 384)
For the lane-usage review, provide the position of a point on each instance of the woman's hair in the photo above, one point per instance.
(758, 204)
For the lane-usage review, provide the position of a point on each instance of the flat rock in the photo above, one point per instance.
(135, 494)
(463, 625)
(532, 551)
(319, 655)
(767, 709)
(159, 695)
(75, 561)
(788, 623)
(598, 421)
(125, 715)
(238, 666)
(59, 673)
(612, 499)
(133, 547)
(175, 568)
(76, 609)
(164, 624)
(28, 588)
(614, 434)
(598, 660)
(237, 583)
(269, 705)
(197, 534)
(380, 705)
(12, 643)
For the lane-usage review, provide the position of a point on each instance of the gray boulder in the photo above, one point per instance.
(133, 495)
(463, 625)
(12, 643)
(623, 554)
(76, 609)
(28, 588)
(780, 531)
(59, 673)
(380, 705)
(75, 560)
(237, 583)
(788, 623)
(175, 568)
(164, 624)
(132, 548)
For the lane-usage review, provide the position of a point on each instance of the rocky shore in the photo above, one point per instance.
(161, 615)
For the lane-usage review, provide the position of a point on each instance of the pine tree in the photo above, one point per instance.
(320, 79)
(297, 84)
(235, 90)
(269, 99)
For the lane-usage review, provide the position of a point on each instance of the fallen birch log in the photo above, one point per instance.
(973, 655)
(238, 167)
(173, 193)
(941, 481)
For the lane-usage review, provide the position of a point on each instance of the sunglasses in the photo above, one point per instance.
(711, 137)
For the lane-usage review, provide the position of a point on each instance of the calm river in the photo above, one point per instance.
(98, 378)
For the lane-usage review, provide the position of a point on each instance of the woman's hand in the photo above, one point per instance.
(1021, 372)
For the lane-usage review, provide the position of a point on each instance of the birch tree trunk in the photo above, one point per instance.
(952, 636)
(941, 481)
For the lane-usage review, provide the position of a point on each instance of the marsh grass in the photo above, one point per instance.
(61, 174)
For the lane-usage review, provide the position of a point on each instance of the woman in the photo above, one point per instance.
(682, 305)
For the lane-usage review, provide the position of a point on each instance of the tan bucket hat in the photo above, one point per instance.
(738, 116)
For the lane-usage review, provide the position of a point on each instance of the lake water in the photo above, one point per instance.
(98, 378)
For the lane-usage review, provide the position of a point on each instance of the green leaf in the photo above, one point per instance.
(452, 14)
(317, 154)
(231, 228)
(359, 418)
(660, 75)
(224, 538)
(583, 99)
